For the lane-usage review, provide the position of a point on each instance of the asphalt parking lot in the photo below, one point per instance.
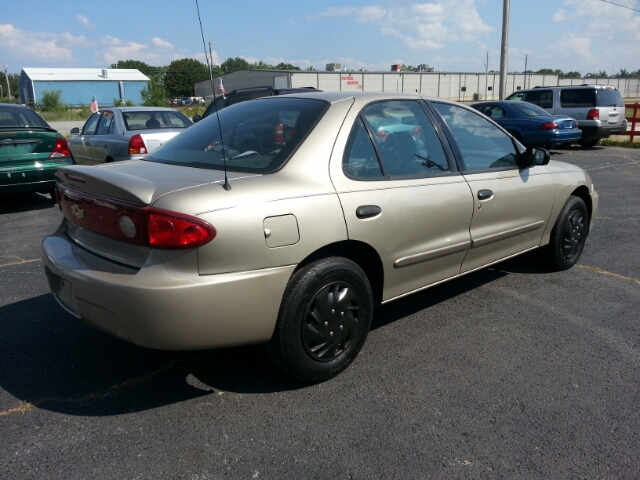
(511, 372)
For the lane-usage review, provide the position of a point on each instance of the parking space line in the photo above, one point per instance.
(611, 274)
(19, 263)
(26, 406)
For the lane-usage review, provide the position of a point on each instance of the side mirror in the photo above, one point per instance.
(74, 131)
(196, 118)
(536, 156)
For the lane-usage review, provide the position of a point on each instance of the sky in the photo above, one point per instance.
(587, 36)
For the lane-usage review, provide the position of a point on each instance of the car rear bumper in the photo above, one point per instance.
(601, 131)
(16, 179)
(164, 305)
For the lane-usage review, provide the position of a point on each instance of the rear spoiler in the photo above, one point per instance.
(99, 181)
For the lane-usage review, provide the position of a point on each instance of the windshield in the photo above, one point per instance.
(20, 117)
(257, 136)
(531, 110)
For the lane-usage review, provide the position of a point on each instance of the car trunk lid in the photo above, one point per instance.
(24, 145)
(95, 200)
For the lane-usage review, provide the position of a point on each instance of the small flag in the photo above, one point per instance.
(94, 105)
(221, 88)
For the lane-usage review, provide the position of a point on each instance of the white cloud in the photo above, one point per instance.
(422, 26)
(159, 43)
(42, 47)
(84, 21)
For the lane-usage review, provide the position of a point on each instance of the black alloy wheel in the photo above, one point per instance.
(568, 236)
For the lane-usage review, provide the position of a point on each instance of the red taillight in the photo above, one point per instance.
(171, 230)
(415, 133)
(61, 149)
(137, 146)
(127, 222)
(278, 133)
(593, 114)
(549, 126)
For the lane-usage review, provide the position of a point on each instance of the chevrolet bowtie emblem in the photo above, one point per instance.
(77, 212)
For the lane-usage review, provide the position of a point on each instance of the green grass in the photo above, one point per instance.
(620, 142)
(83, 113)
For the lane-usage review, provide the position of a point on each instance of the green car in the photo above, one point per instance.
(30, 151)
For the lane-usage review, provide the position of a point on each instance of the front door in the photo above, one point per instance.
(511, 205)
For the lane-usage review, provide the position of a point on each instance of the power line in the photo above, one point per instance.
(623, 6)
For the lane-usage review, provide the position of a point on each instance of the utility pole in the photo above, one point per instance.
(504, 54)
(525, 70)
(486, 77)
(6, 67)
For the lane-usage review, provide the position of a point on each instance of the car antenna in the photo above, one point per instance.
(226, 185)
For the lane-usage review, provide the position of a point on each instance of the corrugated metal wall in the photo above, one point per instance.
(431, 84)
(76, 93)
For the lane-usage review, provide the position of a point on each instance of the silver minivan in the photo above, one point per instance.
(599, 109)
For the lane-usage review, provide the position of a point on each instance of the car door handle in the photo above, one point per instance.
(485, 194)
(368, 211)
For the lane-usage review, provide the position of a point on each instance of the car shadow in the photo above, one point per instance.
(24, 202)
(53, 361)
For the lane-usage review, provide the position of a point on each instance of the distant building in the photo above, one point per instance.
(79, 85)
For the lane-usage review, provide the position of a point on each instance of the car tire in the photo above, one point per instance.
(324, 319)
(568, 236)
(589, 143)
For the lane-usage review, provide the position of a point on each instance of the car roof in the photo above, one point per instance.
(14, 105)
(334, 97)
(141, 109)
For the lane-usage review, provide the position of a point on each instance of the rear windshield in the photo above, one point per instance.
(579, 97)
(20, 117)
(257, 137)
(149, 120)
(531, 110)
(610, 98)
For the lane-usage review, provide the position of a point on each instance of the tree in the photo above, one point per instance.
(137, 65)
(310, 68)
(154, 95)
(600, 74)
(572, 75)
(235, 64)
(286, 66)
(182, 75)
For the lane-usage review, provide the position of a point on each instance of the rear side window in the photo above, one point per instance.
(405, 140)
(542, 98)
(257, 137)
(578, 97)
(609, 98)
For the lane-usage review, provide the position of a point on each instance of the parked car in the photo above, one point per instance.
(531, 125)
(244, 94)
(30, 151)
(599, 109)
(192, 101)
(293, 242)
(125, 133)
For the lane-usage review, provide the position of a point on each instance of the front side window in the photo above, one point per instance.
(91, 125)
(406, 142)
(481, 144)
(257, 137)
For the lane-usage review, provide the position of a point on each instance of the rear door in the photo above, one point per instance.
(402, 195)
(511, 205)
